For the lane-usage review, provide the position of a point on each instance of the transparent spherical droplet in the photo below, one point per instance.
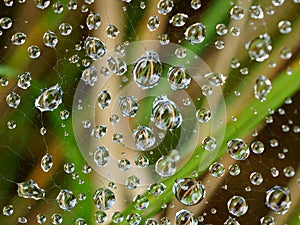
(72, 5)
(234, 63)
(151, 221)
(93, 21)
(8, 210)
(278, 199)
(100, 217)
(117, 138)
(185, 217)
(6, 23)
(58, 7)
(80, 221)
(262, 88)
(215, 79)
(207, 90)
(289, 171)
(99, 131)
(65, 29)
(277, 2)
(104, 198)
(165, 167)
(285, 53)
(13, 100)
(90, 75)
(256, 12)
(216, 169)
(11, 124)
(56, 219)
(124, 164)
(46, 162)
(128, 106)
(22, 219)
(156, 188)
(195, 4)
(238, 149)
(274, 172)
(24, 80)
(42, 4)
(18, 38)
(164, 39)
(4, 82)
(180, 53)
(66, 200)
(219, 44)
(143, 137)
(234, 170)
(165, 221)
(112, 31)
(237, 13)
(114, 119)
(49, 99)
(237, 206)
(257, 147)
(188, 191)
(117, 65)
(178, 78)
(285, 27)
(34, 51)
(50, 39)
(153, 23)
(221, 29)
(195, 33)
(178, 20)
(117, 217)
(231, 221)
(256, 178)
(94, 48)
(203, 115)
(147, 70)
(69, 168)
(132, 182)
(209, 143)
(259, 48)
(30, 189)
(101, 156)
(267, 220)
(165, 114)
(165, 6)
(41, 218)
(140, 202)
(134, 218)
(104, 99)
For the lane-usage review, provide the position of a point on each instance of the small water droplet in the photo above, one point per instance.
(49, 99)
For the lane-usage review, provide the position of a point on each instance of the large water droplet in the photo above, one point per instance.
(90, 75)
(30, 189)
(50, 39)
(93, 21)
(185, 217)
(165, 167)
(237, 206)
(147, 70)
(188, 191)
(24, 80)
(262, 88)
(259, 48)
(195, 33)
(117, 65)
(165, 114)
(178, 78)
(46, 162)
(141, 202)
(238, 149)
(101, 156)
(66, 200)
(13, 100)
(104, 198)
(18, 38)
(278, 199)
(143, 137)
(165, 6)
(178, 20)
(49, 99)
(94, 48)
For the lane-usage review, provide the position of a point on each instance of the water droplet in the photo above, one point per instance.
(34, 51)
(278, 199)
(94, 48)
(219, 44)
(237, 13)
(100, 217)
(50, 39)
(128, 106)
(99, 131)
(65, 29)
(238, 149)
(41, 218)
(143, 137)
(165, 114)
(188, 191)
(101, 156)
(132, 182)
(46, 162)
(13, 100)
(30, 189)
(178, 20)
(22, 219)
(24, 80)
(18, 38)
(257, 147)
(203, 115)
(114, 119)
(104, 199)
(180, 53)
(259, 48)
(117, 217)
(141, 202)
(56, 219)
(66, 200)
(7, 210)
(277, 2)
(256, 178)
(124, 164)
(256, 12)
(153, 23)
(6, 23)
(267, 220)
(185, 217)
(195, 33)
(151, 221)
(116, 65)
(285, 53)
(165, 221)
(134, 218)
(237, 206)
(178, 78)
(93, 21)
(49, 99)
(112, 31)
(156, 188)
(165, 167)
(69, 168)
(289, 171)
(165, 6)
(231, 221)
(195, 4)
(234, 170)
(147, 70)
(164, 39)
(216, 169)
(262, 88)
(58, 7)
(207, 90)
(274, 172)
(42, 4)
(141, 161)
(221, 29)
(215, 79)
(104, 99)
(117, 138)
(80, 221)
(209, 143)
